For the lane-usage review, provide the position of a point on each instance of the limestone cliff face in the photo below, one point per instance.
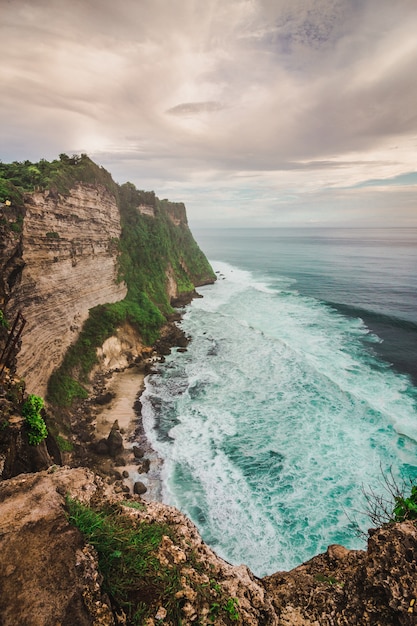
(69, 260)
(11, 262)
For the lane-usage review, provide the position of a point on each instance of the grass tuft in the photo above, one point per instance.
(127, 548)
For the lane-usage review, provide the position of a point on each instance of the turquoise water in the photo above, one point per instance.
(283, 409)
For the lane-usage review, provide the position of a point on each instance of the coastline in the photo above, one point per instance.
(136, 467)
(136, 462)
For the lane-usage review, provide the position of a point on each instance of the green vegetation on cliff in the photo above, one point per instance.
(138, 575)
(59, 175)
(158, 259)
(66, 382)
(154, 247)
(36, 427)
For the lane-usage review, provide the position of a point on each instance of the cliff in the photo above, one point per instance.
(66, 242)
(95, 269)
(66, 548)
(81, 242)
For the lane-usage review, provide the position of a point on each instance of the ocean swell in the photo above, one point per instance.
(273, 420)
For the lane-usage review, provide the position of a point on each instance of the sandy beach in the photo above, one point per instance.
(127, 386)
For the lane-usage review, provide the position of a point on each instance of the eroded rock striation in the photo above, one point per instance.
(68, 265)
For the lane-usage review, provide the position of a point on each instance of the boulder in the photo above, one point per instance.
(138, 452)
(115, 440)
(139, 488)
(101, 447)
(143, 467)
(104, 398)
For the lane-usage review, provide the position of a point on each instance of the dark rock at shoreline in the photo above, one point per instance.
(174, 317)
(143, 467)
(85, 437)
(171, 337)
(115, 440)
(138, 452)
(104, 398)
(101, 447)
(139, 488)
(184, 299)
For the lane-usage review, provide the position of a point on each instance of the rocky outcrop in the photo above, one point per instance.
(67, 243)
(50, 575)
(122, 349)
(177, 213)
(345, 587)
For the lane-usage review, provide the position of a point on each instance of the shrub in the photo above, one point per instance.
(391, 504)
(63, 389)
(406, 508)
(31, 411)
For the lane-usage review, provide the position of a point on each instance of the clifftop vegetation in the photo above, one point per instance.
(60, 175)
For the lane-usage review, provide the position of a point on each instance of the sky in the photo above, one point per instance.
(253, 113)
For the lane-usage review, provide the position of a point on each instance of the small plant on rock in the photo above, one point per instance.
(406, 508)
(231, 609)
(3, 320)
(36, 426)
(390, 503)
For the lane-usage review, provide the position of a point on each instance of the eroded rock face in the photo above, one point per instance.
(48, 575)
(254, 604)
(121, 349)
(67, 243)
(11, 262)
(349, 587)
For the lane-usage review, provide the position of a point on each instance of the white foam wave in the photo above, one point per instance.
(272, 421)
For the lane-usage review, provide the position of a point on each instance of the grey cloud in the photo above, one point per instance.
(190, 108)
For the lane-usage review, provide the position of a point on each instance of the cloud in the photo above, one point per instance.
(402, 180)
(192, 108)
(282, 98)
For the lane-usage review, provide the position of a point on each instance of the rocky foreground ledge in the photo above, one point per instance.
(49, 575)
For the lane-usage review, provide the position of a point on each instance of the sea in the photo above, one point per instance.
(296, 398)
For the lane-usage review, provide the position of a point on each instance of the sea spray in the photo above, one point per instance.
(273, 420)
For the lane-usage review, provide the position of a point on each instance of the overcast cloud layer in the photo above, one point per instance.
(252, 112)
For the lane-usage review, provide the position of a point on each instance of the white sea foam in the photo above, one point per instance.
(273, 420)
